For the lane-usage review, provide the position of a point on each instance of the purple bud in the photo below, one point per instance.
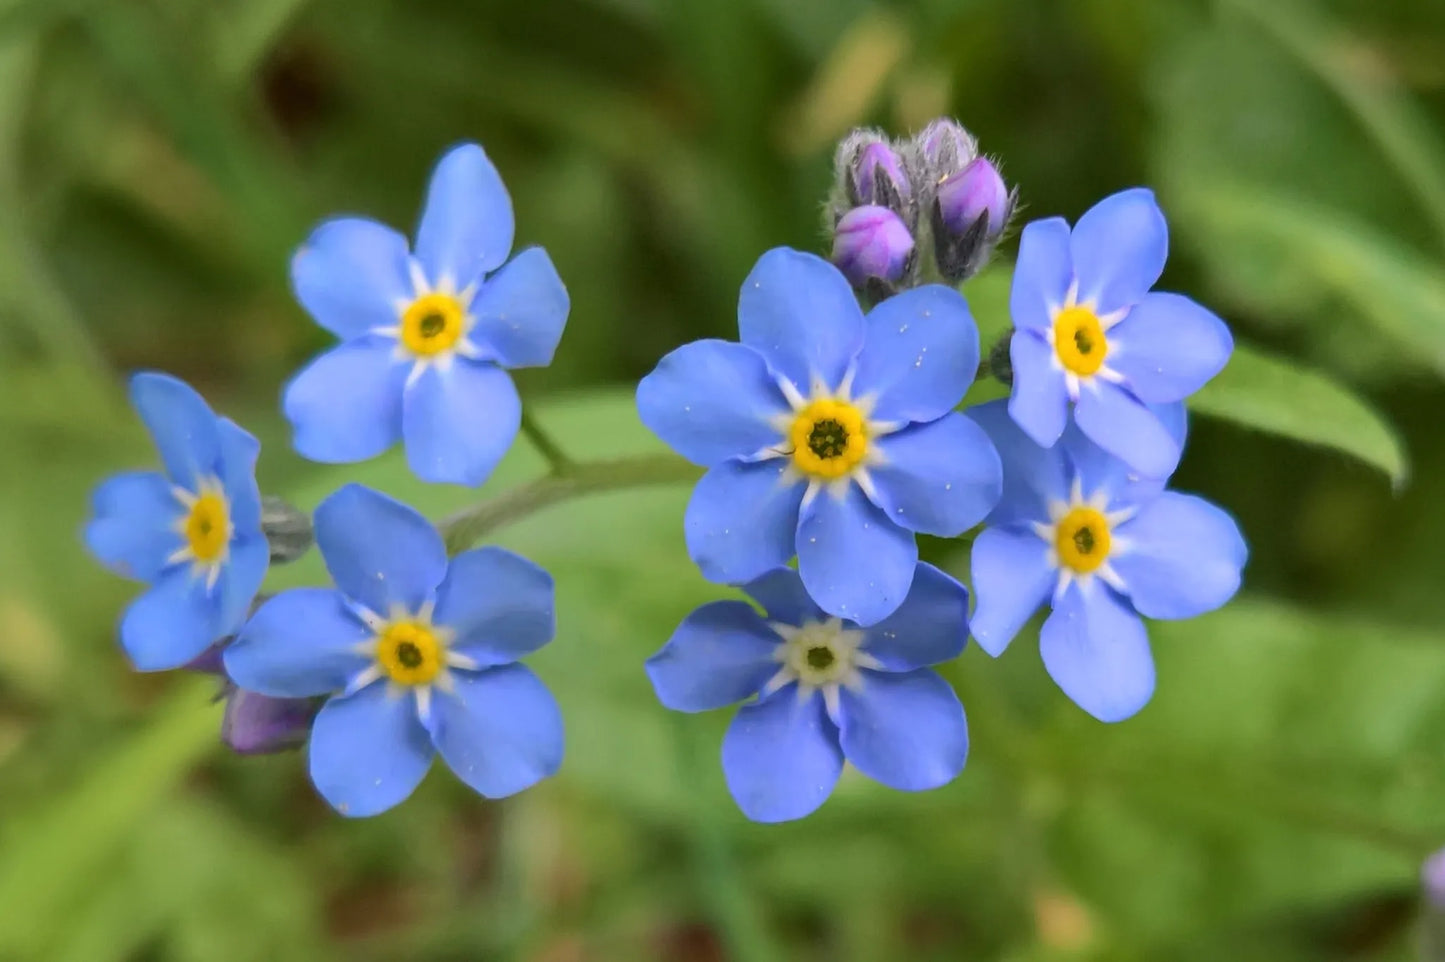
(872, 242)
(208, 662)
(878, 177)
(944, 147)
(259, 724)
(974, 192)
(1432, 879)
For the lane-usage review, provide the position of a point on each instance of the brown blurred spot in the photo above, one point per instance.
(299, 88)
(690, 942)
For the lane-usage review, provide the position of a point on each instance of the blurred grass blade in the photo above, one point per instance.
(1391, 285)
(1272, 395)
(53, 856)
(1367, 87)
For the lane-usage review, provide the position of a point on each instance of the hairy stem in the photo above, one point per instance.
(470, 525)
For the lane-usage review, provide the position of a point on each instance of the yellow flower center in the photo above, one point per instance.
(1079, 340)
(410, 653)
(1082, 540)
(431, 324)
(208, 527)
(829, 439)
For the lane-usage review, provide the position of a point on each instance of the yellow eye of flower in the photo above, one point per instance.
(431, 324)
(829, 439)
(1079, 340)
(410, 653)
(1082, 540)
(208, 527)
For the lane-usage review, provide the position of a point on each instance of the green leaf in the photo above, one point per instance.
(1276, 396)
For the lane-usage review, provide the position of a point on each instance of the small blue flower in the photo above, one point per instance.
(193, 533)
(827, 690)
(426, 334)
(827, 434)
(419, 654)
(1076, 528)
(1090, 332)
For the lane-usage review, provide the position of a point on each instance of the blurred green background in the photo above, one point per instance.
(159, 160)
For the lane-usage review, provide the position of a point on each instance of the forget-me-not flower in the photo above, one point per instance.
(1077, 529)
(419, 654)
(1089, 331)
(826, 690)
(827, 434)
(193, 532)
(426, 334)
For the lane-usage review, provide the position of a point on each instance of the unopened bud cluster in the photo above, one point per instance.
(905, 212)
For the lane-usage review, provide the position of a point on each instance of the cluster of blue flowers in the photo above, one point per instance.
(830, 435)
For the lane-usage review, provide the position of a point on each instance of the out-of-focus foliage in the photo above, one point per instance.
(159, 159)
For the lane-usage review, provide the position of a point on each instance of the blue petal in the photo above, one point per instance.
(239, 451)
(520, 311)
(459, 423)
(368, 751)
(742, 520)
(240, 579)
(133, 528)
(1119, 249)
(350, 274)
(181, 423)
(379, 551)
(300, 643)
(940, 478)
(1096, 650)
(855, 562)
(1033, 476)
(781, 757)
(1125, 427)
(930, 626)
(1039, 401)
(1099, 471)
(712, 400)
(500, 730)
(500, 605)
(171, 623)
(906, 730)
(919, 356)
(1011, 578)
(1168, 347)
(346, 404)
(1042, 275)
(721, 653)
(466, 226)
(1182, 557)
(783, 597)
(799, 313)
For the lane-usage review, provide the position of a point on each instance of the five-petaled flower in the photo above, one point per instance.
(425, 334)
(1089, 331)
(1077, 529)
(419, 654)
(827, 434)
(192, 533)
(827, 690)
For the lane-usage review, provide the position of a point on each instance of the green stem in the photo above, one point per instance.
(470, 525)
(556, 458)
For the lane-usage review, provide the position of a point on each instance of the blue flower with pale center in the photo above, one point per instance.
(1090, 332)
(827, 689)
(1077, 529)
(193, 533)
(426, 334)
(418, 653)
(827, 434)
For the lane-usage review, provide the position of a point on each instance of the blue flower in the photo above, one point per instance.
(425, 334)
(827, 690)
(193, 533)
(418, 653)
(827, 434)
(1076, 528)
(1090, 332)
